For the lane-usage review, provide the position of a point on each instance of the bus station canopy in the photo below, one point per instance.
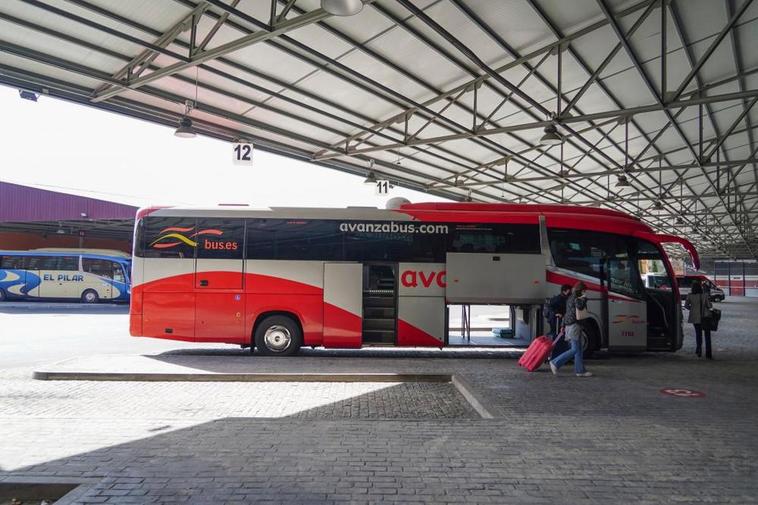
(642, 106)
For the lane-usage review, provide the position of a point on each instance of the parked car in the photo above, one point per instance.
(685, 286)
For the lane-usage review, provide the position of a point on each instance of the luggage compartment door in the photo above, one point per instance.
(421, 305)
(219, 296)
(482, 278)
(343, 304)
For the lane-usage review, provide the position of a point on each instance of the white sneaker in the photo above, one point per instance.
(553, 368)
(584, 374)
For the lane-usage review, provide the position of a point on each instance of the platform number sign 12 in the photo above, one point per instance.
(382, 187)
(243, 153)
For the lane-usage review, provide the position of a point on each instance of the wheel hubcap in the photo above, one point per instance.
(89, 297)
(277, 338)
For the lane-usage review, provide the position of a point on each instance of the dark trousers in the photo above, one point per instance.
(699, 329)
(554, 327)
(561, 345)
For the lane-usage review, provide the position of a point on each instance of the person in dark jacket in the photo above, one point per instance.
(573, 333)
(698, 302)
(556, 308)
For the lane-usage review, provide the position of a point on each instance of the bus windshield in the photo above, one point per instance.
(652, 267)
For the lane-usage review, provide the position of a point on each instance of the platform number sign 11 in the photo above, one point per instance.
(243, 153)
(382, 187)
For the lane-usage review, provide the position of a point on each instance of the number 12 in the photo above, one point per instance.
(243, 152)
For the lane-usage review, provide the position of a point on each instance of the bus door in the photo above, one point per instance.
(664, 328)
(97, 275)
(219, 298)
(343, 305)
(421, 309)
(625, 311)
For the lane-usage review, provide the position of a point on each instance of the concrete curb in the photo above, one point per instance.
(468, 392)
(240, 377)
(459, 383)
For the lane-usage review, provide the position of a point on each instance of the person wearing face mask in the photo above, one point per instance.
(576, 309)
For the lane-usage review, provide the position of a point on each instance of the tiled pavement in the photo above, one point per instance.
(613, 438)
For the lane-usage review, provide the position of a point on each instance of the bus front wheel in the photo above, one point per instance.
(278, 335)
(90, 296)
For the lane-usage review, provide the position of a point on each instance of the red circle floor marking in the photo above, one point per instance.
(682, 392)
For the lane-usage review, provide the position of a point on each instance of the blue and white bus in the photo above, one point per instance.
(89, 275)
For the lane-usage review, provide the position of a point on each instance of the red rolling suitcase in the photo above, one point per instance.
(537, 353)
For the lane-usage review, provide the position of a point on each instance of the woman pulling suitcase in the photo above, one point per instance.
(576, 309)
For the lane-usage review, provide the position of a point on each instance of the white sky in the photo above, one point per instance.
(66, 147)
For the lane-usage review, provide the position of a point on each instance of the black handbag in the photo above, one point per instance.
(712, 322)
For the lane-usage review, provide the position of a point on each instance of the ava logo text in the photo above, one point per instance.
(414, 279)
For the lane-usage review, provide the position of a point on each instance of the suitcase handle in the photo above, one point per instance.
(561, 331)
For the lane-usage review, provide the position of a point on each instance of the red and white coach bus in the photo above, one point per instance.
(282, 278)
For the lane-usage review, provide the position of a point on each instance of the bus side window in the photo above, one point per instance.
(12, 262)
(42, 263)
(69, 263)
(496, 238)
(166, 237)
(97, 267)
(220, 238)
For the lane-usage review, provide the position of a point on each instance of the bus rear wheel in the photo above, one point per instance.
(278, 336)
(590, 339)
(90, 296)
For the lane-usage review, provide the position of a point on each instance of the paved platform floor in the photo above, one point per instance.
(614, 438)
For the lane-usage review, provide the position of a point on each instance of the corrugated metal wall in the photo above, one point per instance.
(24, 204)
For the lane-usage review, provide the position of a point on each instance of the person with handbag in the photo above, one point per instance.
(699, 304)
(576, 310)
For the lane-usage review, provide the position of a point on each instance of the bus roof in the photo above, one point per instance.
(84, 250)
(538, 208)
(34, 252)
(449, 208)
(557, 216)
(696, 275)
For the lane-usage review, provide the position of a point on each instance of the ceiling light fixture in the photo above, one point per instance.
(185, 129)
(28, 95)
(551, 137)
(622, 182)
(371, 179)
(342, 7)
